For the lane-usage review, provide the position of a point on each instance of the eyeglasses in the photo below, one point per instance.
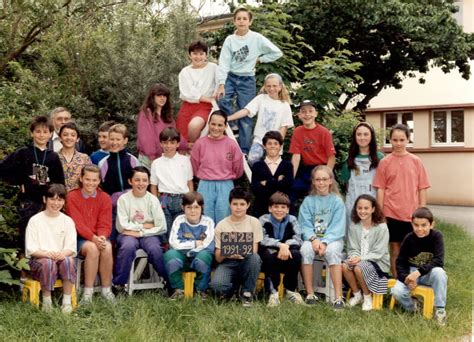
(319, 180)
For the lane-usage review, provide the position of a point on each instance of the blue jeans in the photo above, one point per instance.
(216, 198)
(437, 279)
(256, 153)
(177, 262)
(231, 273)
(301, 186)
(171, 204)
(244, 89)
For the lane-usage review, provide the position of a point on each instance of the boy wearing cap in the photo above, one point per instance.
(311, 145)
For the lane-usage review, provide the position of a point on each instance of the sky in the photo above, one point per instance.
(216, 7)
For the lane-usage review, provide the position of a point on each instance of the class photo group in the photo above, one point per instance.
(182, 200)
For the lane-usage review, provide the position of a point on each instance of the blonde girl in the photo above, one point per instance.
(368, 260)
(274, 113)
(322, 219)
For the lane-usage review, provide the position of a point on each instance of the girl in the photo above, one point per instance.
(91, 210)
(322, 220)
(50, 243)
(155, 115)
(360, 167)
(192, 246)
(197, 85)
(217, 161)
(401, 183)
(72, 160)
(274, 113)
(270, 175)
(140, 220)
(368, 261)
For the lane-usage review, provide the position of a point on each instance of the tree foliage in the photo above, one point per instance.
(97, 58)
(391, 39)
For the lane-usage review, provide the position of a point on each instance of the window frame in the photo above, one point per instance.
(448, 142)
(399, 121)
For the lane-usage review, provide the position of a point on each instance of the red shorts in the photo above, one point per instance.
(188, 111)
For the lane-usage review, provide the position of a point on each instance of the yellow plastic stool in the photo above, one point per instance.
(32, 289)
(261, 283)
(427, 294)
(188, 278)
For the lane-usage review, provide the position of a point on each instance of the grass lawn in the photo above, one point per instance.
(147, 316)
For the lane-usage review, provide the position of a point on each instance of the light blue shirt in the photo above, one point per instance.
(239, 54)
(323, 217)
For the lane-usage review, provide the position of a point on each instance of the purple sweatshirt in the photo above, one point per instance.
(219, 159)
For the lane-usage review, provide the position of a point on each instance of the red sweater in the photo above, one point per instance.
(92, 215)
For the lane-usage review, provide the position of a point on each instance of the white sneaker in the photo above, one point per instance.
(367, 304)
(66, 308)
(440, 316)
(47, 307)
(356, 299)
(273, 300)
(294, 297)
(86, 299)
(109, 296)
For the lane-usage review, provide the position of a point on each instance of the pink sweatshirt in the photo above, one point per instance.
(148, 135)
(219, 159)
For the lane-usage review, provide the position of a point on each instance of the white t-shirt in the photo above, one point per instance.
(52, 234)
(272, 115)
(194, 83)
(171, 175)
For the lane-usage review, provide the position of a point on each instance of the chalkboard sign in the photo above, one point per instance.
(236, 243)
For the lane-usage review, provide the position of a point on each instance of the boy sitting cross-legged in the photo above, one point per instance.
(237, 265)
(280, 248)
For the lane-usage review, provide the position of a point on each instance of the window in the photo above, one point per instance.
(399, 118)
(448, 127)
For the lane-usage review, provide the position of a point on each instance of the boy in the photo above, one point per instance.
(312, 144)
(116, 167)
(191, 246)
(237, 269)
(171, 177)
(240, 54)
(271, 174)
(420, 262)
(33, 167)
(103, 139)
(280, 248)
(197, 87)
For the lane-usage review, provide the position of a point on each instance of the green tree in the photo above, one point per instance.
(391, 39)
(97, 58)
